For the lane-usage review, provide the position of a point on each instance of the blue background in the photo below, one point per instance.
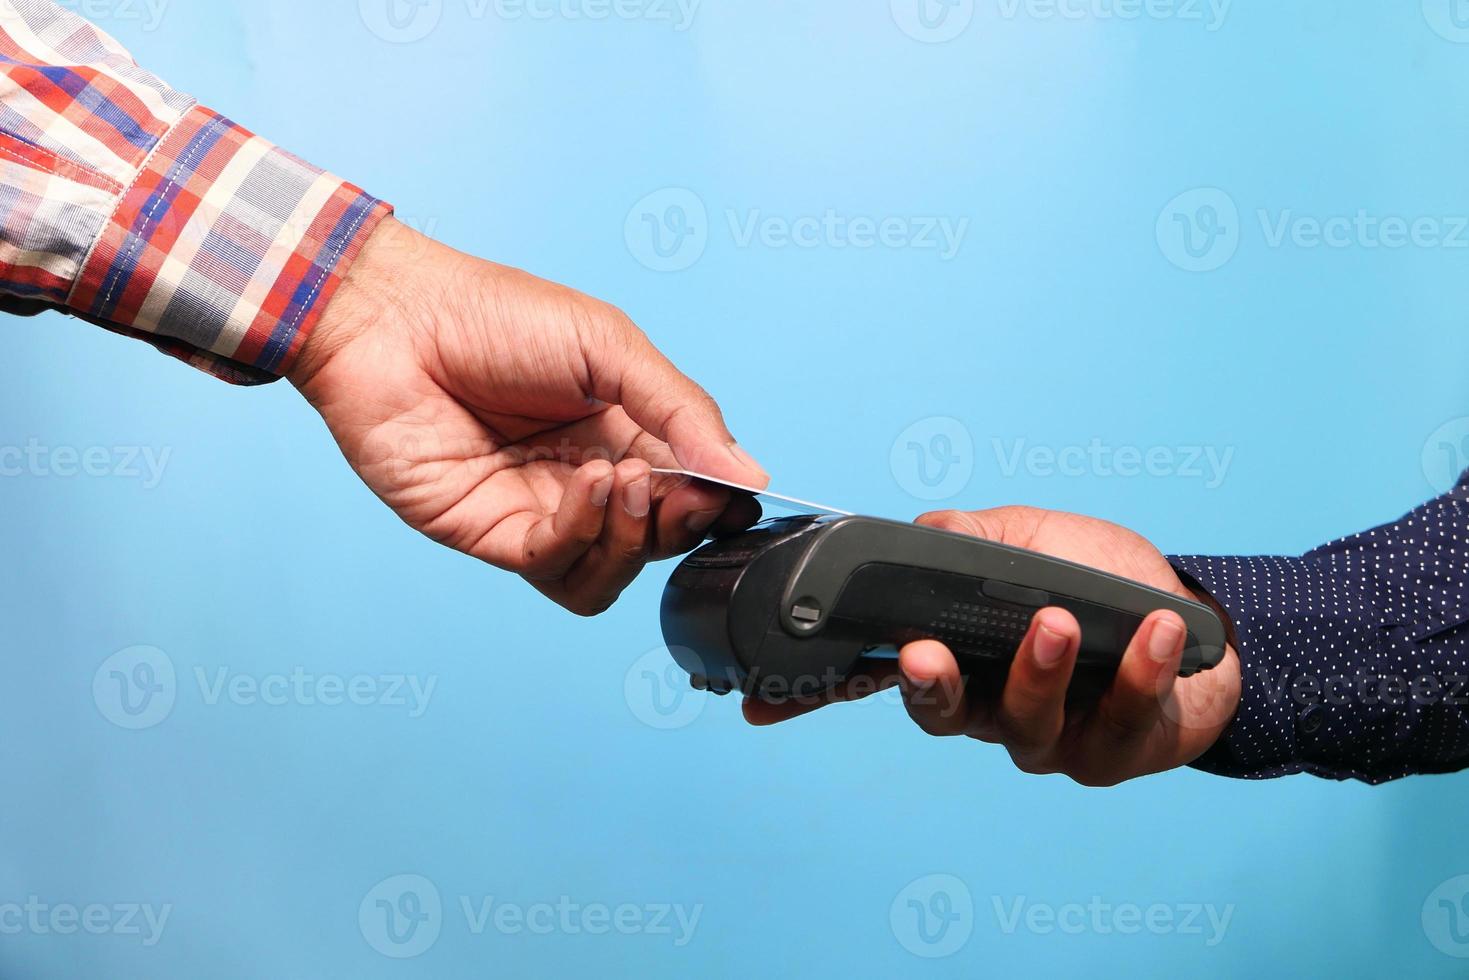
(533, 775)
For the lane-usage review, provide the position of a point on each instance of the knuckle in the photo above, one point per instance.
(633, 468)
(1119, 725)
(610, 321)
(934, 724)
(1019, 514)
(986, 732)
(1021, 743)
(1095, 780)
(540, 574)
(533, 565)
(1028, 731)
(949, 520)
(1030, 764)
(1026, 714)
(584, 534)
(988, 524)
(600, 326)
(635, 553)
(1028, 698)
(588, 607)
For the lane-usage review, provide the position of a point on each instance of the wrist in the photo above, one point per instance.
(1216, 692)
(381, 280)
(1229, 666)
(1202, 596)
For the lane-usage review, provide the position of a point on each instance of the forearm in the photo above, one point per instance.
(1353, 655)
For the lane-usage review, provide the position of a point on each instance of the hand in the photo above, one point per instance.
(516, 420)
(1149, 719)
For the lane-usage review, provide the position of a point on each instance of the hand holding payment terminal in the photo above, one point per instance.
(792, 606)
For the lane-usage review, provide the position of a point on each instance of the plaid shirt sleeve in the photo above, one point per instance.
(127, 204)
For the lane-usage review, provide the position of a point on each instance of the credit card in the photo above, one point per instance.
(764, 496)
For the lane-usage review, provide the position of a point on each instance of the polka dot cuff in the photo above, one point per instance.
(1355, 656)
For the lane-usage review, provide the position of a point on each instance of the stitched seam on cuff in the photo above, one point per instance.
(326, 270)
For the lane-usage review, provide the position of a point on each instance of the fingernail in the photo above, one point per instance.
(702, 520)
(602, 491)
(639, 498)
(746, 460)
(1165, 640)
(1050, 647)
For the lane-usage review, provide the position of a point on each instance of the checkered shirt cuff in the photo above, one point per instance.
(224, 250)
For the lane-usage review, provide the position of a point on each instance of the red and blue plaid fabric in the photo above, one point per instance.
(125, 203)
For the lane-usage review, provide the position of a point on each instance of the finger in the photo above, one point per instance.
(558, 541)
(977, 524)
(1133, 705)
(742, 513)
(612, 564)
(629, 371)
(689, 511)
(857, 686)
(684, 517)
(1032, 708)
(933, 688)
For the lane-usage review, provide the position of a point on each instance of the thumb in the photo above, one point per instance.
(977, 523)
(629, 371)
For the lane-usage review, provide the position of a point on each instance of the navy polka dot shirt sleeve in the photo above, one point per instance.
(1355, 656)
